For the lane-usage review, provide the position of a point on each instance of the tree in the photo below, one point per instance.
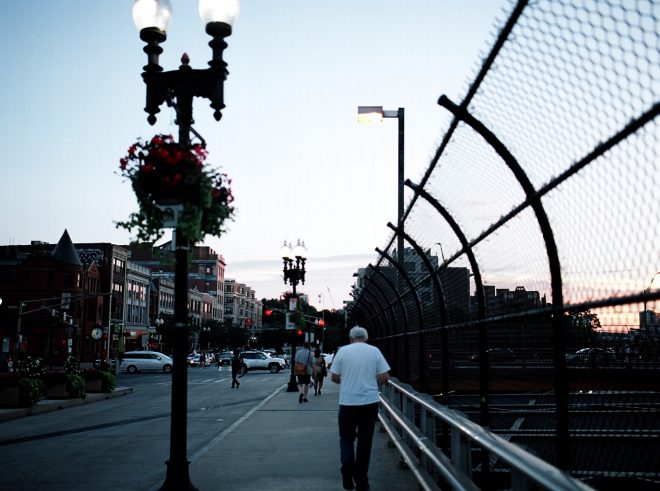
(236, 335)
(333, 336)
(582, 326)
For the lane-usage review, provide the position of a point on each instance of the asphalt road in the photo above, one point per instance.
(123, 443)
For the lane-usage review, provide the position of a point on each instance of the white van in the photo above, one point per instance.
(145, 361)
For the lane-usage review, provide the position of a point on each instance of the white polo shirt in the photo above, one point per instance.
(358, 364)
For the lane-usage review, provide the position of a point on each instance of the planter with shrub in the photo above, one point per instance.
(17, 391)
(60, 385)
(98, 380)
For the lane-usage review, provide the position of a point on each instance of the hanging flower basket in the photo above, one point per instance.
(174, 187)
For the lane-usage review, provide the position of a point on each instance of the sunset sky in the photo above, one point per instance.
(301, 166)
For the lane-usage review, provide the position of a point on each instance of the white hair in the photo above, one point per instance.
(358, 332)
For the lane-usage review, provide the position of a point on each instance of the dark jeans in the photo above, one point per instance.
(356, 421)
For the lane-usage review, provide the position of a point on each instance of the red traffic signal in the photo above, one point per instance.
(268, 312)
(300, 333)
(321, 323)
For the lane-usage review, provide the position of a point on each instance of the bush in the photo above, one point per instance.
(30, 391)
(108, 380)
(72, 365)
(102, 365)
(74, 383)
(28, 367)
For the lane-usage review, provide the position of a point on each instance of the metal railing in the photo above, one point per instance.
(414, 423)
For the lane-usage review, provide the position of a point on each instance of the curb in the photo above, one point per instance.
(48, 405)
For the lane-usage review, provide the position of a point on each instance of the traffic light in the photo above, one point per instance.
(268, 312)
(321, 323)
(299, 332)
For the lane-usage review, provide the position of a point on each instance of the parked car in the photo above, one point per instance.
(258, 360)
(498, 355)
(285, 357)
(328, 359)
(145, 361)
(592, 357)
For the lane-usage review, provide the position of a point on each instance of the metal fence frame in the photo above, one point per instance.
(388, 300)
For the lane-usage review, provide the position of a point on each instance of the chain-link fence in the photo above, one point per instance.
(526, 294)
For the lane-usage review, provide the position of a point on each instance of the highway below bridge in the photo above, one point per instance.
(614, 418)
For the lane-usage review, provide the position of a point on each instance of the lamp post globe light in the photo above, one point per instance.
(294, 264)
(178, 87)
(294, 272)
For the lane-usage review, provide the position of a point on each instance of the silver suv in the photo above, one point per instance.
(258, 360)
(145, 361)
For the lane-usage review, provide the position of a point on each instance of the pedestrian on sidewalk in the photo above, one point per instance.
(359, 369)
(304, 356)
(319, 371)
(235, 368)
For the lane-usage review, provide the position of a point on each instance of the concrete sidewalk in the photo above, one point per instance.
(278, 445)
(284, 445)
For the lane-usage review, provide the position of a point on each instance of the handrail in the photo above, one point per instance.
(455, 478)
(396, 400)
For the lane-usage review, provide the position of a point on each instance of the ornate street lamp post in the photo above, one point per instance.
(177, 88)
(294, 273)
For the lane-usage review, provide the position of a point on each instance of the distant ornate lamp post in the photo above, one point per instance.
(294, 273)
(177, 88)
(159, 324)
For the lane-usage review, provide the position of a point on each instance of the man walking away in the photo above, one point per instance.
(359, 368)
(304, 356)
